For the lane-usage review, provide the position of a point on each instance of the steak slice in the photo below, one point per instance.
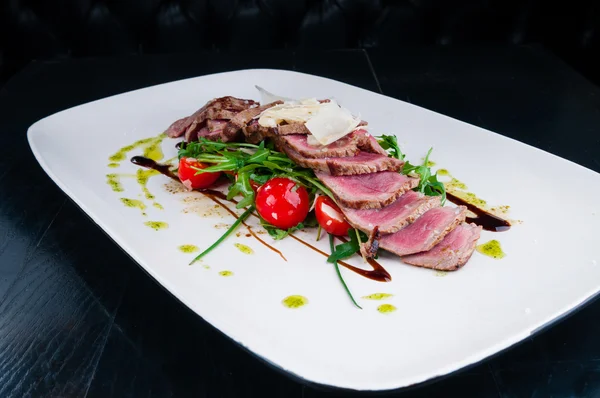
(393, 217)
(346, 146)
(291, 128)
(427, 231)
(362, 163)
(368, 191)
(368, 143)
(452, 252)
(349, 145)
(242, 119)
(218, 108)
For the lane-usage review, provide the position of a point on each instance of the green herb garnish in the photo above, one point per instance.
(348, 249)
(390, 144)
(428, 183)
(339, 274)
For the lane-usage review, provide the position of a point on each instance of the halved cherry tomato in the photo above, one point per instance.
(330, 217)
(187, 174)
(282, 202)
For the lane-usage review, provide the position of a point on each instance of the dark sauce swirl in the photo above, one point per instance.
(487, 220)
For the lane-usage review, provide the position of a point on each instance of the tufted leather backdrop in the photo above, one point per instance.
(74, 28)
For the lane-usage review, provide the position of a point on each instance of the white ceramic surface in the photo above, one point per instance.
(442, 323)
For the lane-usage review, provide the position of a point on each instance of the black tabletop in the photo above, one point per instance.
(79, 318)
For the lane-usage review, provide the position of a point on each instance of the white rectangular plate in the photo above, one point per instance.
(441, 323)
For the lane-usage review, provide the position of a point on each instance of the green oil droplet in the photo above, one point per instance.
(154, 152)
(115, 182)
(134, 203)
(491, 249)
(378, 296)
(443, 172)
(188, 248)
(430, 163)
(206, 266)
(294, 301)
(158, 206)
(226, 273)
(386, 308)
(455, 184)
(156, 225)
(440, 273)
(244, 249)
(151, 146)
(113, 165)
(142, 177)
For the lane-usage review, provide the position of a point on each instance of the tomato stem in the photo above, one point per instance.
(226, 234)
(339, 274)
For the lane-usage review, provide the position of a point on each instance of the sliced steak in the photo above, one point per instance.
(346, 146)
(218, 108)
(452, 252)
(349, 145)
(362, 163)
(427, 231)
(368, 191)
(242, 119)
(291, 128)
(393, 217)
(368, 143)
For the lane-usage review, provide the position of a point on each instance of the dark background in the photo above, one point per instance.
(42, 29)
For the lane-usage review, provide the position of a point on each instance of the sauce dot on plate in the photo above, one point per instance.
(386, 308)
(294, 301)
(491, 249)
(244, 249)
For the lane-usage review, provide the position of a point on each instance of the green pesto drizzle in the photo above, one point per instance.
(378, 296)
(491, 249)
(156, 225)
(294, 301)
(386, 308)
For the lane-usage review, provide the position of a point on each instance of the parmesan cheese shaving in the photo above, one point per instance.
(331, 123)
(300, 111)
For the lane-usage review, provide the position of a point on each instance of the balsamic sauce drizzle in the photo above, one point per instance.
(487, 220)
(378, 273)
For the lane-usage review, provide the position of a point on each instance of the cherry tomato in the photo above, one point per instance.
(188, 176)
(282, 202)
(330, 217)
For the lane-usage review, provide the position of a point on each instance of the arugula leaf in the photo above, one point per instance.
(348, 249)
(277, 233)
(428, 183)
(339, 274)
(390, 144)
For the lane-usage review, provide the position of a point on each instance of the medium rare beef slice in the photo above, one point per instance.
(368, 191)
(350, 145)
(218, 108)
(452, 252)
(393, 217)
(368, 143)
(423, 234)
(362, 163)
(346, 146)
